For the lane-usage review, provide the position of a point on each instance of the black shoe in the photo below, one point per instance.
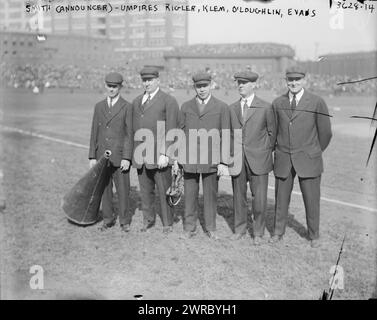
(315, 243)
(146, 226)
(212, 235)
(257, 241)
(275, 239)
(125, 227)
(167, 229)
(106, 226)
(238, 236)
(187, 235)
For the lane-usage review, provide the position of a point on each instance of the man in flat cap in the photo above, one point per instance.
(205, 116)
(154, 110)
(256, 119)
(303, 133)
(112, 130)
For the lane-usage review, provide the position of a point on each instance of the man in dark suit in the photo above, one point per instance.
(303, 133)
(256, 119)
(154, 114)
(112, 130)
(205, 116)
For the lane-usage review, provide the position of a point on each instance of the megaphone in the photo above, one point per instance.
(81, 204)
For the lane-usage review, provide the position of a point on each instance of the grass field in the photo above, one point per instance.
(83, 262)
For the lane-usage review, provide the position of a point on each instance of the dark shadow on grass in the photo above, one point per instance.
(225, 209)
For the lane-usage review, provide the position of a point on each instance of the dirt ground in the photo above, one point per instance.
(84, 263)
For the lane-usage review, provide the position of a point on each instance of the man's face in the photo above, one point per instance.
(295, 84)
(112, 90)
(245, 88)
(150, 85)
(203, 90)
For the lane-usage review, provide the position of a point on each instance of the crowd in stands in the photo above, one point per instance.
(74, 77)
(249, 49)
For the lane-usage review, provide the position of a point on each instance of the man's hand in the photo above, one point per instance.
(222, 170)
(124, 165)
(92, 163)
(163, 161)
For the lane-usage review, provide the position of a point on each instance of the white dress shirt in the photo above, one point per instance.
(298, 96)
(113, 101)
(151, 95)
(248, 100)
(205, 100)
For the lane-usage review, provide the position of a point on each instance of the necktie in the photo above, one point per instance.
(148, 99)
(293, 103)
(244, 110)
(146, 102)
(111, 102)
(201, 106)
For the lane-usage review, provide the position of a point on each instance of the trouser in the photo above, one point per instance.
(122, 186)
(310, 189)
(258, 187)
(210, 187)
(148, 179)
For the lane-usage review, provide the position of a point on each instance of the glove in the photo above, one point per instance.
(124, 165)
(92, 163)
(175, 167)
(163, 162)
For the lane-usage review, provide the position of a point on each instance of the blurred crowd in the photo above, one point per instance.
(250, 49)
(43, 76)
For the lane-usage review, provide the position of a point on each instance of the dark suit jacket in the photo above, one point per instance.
(216, 115)
(163, 107)
(258, 134)
(301, 138)
(112, 130)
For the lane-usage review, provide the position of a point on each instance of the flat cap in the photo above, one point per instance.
(201, 77)
(295, 72)
(114, 78)
(246, 76)
(149, 72)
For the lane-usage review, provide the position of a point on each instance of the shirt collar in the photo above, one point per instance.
(298, 95)
(114, 100)
(205, 100)
(151, 95)
(248, 100)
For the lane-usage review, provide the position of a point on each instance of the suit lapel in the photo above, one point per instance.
(116, 108)
(286, 106)
(253, 107)
(209, 106)
(156, 97)
(302, 105)
(138, 103)
(105, 110)
(193, 107)
(237, 110)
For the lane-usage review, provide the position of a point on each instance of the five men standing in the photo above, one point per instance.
(296, 127)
